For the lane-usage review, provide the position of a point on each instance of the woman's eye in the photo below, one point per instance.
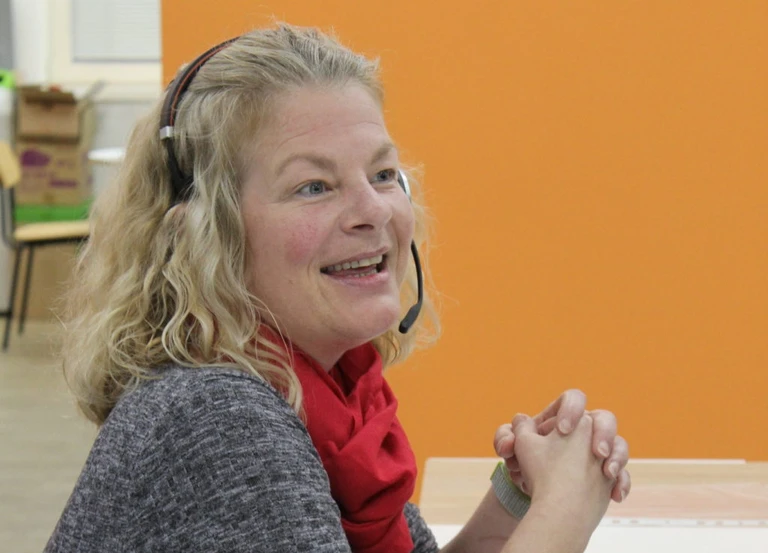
(313, 188)
(386, 175)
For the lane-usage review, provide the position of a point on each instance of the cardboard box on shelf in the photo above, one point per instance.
(48, 114)
(54, 131)
(53, 173)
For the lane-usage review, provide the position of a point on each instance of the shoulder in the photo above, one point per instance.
(197, 407)
(233, 454)
(203, 459)
(201, 391)
(175, 386)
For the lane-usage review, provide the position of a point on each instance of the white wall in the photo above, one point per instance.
(41, 29)
(30, 39)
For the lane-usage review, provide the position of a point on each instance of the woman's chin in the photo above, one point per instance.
(374, 325)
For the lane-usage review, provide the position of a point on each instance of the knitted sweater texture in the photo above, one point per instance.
(208, 460)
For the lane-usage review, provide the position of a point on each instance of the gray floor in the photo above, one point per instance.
(43, 441)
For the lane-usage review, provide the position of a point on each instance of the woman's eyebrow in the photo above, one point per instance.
(382, 152)
(320, 161)
(329, 164)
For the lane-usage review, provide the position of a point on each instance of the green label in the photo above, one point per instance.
(6, 79)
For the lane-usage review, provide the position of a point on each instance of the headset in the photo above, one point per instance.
(181, 184)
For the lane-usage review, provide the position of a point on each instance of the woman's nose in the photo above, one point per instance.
(367, 208)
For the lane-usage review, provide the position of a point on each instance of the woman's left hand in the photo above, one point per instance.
(563, 414)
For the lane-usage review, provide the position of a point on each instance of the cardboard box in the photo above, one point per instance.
(54, 131)
(53, 173)
(48, 114)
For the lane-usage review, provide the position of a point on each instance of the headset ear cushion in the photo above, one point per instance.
(402, 180)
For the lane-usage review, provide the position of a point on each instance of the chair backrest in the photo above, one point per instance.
(10, 175)
(10, 171)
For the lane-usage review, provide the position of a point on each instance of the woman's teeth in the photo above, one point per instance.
(371, 271)
(362, 263)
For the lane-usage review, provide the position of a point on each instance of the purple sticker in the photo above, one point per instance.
(34, 158)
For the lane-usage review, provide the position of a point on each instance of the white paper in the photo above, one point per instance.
(645, 539)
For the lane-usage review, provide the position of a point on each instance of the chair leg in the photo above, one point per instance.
(12, 299)
(25, 297)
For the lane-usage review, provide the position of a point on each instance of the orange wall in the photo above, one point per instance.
(599, 176)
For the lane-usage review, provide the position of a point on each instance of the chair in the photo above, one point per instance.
(26, 237)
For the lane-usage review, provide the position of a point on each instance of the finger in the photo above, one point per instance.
(547, 426)
(523, 425)
(550, 411)
(519, 481)
(523, 486)
(618, 459)
(513, 465)
(622, 487)
(603, 433)
(568, 409)
(504, 441)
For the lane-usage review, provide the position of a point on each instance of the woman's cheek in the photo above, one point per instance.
(303, 240)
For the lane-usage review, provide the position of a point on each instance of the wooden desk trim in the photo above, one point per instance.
(453, 487)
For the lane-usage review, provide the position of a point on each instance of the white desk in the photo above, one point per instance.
(702, 506)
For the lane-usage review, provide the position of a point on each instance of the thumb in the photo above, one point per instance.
(523, 424)
(504, 441)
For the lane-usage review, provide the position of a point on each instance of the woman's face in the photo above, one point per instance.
(320, 198)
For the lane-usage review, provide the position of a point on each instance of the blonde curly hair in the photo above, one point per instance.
(158, 286)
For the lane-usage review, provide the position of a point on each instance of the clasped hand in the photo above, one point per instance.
(566, 415)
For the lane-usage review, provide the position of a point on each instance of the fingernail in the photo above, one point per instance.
(623, 495)
(564, 426)
(613, 469)
(603, 449)
(518, 419)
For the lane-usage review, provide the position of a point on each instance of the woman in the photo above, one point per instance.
(232, 315)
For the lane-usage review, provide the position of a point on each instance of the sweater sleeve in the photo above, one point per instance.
(423, 539)
(232, 468)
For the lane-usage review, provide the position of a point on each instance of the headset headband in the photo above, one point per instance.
(181, 183)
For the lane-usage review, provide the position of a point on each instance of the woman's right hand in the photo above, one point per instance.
(563, 476)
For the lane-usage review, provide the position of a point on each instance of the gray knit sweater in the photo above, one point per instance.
(209, 460)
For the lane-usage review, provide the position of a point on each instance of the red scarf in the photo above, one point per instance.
(351, 418)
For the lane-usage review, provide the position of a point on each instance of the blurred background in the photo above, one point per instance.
(596, 172)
